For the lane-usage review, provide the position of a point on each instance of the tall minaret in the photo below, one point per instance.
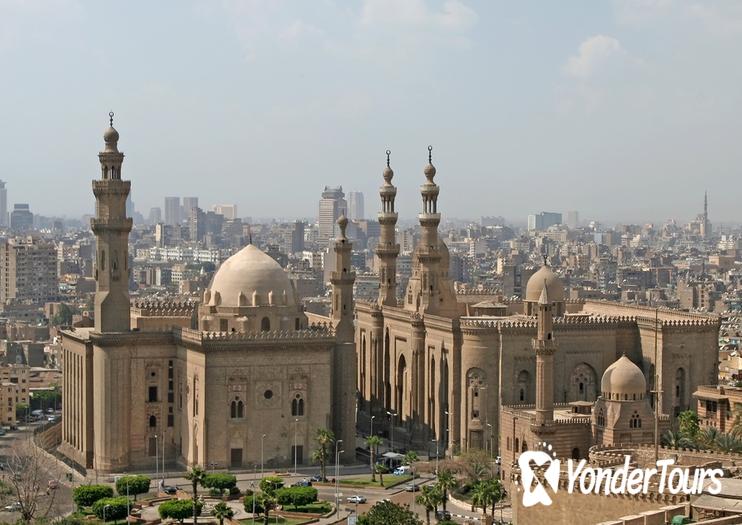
(342, 280)
(387, 250)
(345, 387)
(705, 227)
(429, 289)
(544, 346)
(111, 227)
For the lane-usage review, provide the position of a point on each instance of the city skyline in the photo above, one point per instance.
(554, 112)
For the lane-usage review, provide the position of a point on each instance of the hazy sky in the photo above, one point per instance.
(623, 110)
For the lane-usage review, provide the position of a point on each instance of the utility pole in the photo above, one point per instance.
(657, 393)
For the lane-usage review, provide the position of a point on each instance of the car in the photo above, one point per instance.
(53, 484)
(412, 487)
(49, 410)
(315, 479)
(2, 432)
(13, 507)
(52, 419)
(442, 515)
(402, 471)
(303, 483)
(170, 490)
(356, 499)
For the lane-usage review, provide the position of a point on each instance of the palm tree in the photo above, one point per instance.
(324, 439)
(707, 437)
(446, 481)
(497, 490)
(196, 476)
(728, 443)
(481, 496)
(381, 470)
(222, 511)
(373, 443)
(410, 457)
(676, 440)
(429, 499)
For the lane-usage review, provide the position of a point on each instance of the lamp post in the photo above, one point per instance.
(262, 440)
(490, 439)
(252, 484)
(157, 460)
(448, 429)
(296, 424)
(391, 436)
(337, 475)
(163, 458)
(104, 512)
(436, 456)
(372, 425)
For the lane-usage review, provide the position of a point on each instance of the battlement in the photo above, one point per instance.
(164, 308)
(317, 333)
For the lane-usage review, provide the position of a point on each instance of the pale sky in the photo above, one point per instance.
(624, 110)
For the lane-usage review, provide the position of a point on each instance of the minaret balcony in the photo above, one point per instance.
(119, 224)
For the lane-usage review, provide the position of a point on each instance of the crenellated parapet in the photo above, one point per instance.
(163, 308)
(316, 333)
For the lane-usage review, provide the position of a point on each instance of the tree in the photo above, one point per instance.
(728, 443)
(196, 476)
(270, 484)
(676, 440)
(388, 513)
(429, 498)
(86, 495)
(222, 511)
(133, 485)
(296, 496)
(688, 424)
(410, 457)
(707, 437)
(477, 465)
(257, 498)
(220, 481)
(324, 438)
(178, 509)
(446, 481)
(373, 443)
(498, 492)
(484, 493)
(108, 509)
(28, 470)
(381, 469)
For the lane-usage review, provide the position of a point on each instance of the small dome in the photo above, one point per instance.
(251, 273)
(111, 136)
(545, 276)
(388, 175)
(430, 172)
(623, 377)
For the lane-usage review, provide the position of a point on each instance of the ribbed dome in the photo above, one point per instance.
(251, 271)
(554, 286)
(623, 377)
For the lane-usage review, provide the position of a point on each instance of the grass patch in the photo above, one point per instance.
(365, 481)
(321, 507)
(280, 520)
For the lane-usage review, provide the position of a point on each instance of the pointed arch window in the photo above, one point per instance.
(635, 421)
(237, 409)
(297, 405)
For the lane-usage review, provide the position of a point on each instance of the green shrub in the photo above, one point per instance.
(216, 493)
(86, 495)
(111, 508)
(234, 491)
(136, 485)
(178, 509)
(270, 484)
(296, 495)
(220, 481)
(248, 503)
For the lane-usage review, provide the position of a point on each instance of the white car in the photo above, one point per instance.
(356, 499)
(13, 507)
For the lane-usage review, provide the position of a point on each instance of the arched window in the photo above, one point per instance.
(265, 325)
(152, 422)
(575, 453)
(635, 421)
(297, 406)
(237, 409)
(600, 420)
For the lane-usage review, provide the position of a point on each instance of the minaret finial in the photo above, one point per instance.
(546, 259)
(430, 154)
(110, 118)
(388, 152)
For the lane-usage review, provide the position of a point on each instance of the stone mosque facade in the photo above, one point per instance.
(239, 380)
(444, 366)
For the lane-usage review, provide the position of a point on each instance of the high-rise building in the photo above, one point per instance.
(188, 204)
(28, 270)
(355, 206)
(155, 215)
(172, 210)
(3, 205)
(21, 219)
(331, 206)
(542, 221)
(228, 211)
(573, 219)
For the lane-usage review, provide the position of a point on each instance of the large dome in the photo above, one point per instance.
(622, 380)
(251, 271)
(554, 286)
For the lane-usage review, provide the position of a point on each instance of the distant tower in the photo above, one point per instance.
(705, 225)
(344, 386)
(387, 250)
(3, 205)
(544, 346)
(111, 227)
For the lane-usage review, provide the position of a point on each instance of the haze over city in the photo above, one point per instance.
(625, 110)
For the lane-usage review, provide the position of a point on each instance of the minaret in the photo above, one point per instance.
(111, 227)
(544, 346)
(345, 387)
(387, 250)
(705, 226)
(342, 280)
(429, 290)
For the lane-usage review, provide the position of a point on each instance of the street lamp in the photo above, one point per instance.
(157, 459)
(296, 424)
(491, 439)
(372, 424)
(337, 475)
(448, 428)
(436, 456)
(252, 484)
(391, 437)
(262, 439)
